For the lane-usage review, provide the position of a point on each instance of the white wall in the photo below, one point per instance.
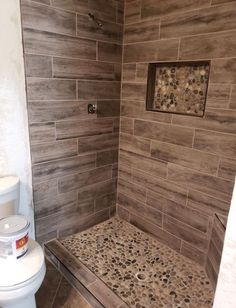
(225, 296)
(14, 139)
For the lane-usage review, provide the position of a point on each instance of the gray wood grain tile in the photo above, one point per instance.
(185, 157)
(164, 132)
(151, 51)
(50, 89)
(59, 149)
(109, 52)
(216, 143)
(205, 183)
(216, 45)
(79, 180)
(98, 143)
(38, 66)
(71, 129)
(46, 43)
(46, 18)
(98, 90)
(81, 69)
(149, 9)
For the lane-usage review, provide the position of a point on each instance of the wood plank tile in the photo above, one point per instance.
(57, 204)
(109, 52)
(107, 158)
(142, 31)
(212, 19)
(161, 235)
(151, 51)
(214, 119)
(85, 208)
(164, 132)
(127, 125)
(185, 157)
(105, 202)
(128, 72)
(149, 9)
(227, 168)
(134, 144)
(163, 187)
(50, 111)
(50, 89)
(45, 190)
(218, 95)
(123, 213)
(186, 233)
(111, 32)
(212, 275)
(205, 183)
(193, 253)
(102, 8)
(190, 217)
(232, 104)
(43, 1)
(125, 172)
(108, 108)
(72, 263)
(180, 212)
(213, 142)
(132, 190)
(214, 257)
(98, 90)
(42, 132)
(79, 180)
(147, 164)
(46, 18)
(132, 11)
(97, 190)
(81, 69)
(38, 66)
(207, 204)
(70, 129)
(98, 143)
(46, 43)
(57, 168)
(135, 208)
(134, 91)
(223, 71)
(104, 294)
(141, 72)
(53, 150)
(217, 45)
(221, 1)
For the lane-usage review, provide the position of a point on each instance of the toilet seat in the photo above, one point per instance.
(17, 273)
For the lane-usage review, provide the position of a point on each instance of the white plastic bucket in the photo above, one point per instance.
(14, 236)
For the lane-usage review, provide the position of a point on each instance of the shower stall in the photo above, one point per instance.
(131, 202)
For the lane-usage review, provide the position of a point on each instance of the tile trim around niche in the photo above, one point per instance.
(178, 87)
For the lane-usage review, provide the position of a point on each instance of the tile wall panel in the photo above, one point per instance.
(184, 165)
(69, 63)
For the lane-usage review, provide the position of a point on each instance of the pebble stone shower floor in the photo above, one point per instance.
(139, 269)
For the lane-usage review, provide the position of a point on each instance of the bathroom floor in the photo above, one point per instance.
(141, 271)
(56, 292)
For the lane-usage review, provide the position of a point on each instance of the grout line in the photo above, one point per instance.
(54, 298)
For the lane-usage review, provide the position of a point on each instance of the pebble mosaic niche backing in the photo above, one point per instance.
(179, 87)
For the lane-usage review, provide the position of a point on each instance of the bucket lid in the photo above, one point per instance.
(8, 183)
(13, 225)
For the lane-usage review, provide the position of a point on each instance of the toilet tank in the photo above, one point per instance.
(9, 195)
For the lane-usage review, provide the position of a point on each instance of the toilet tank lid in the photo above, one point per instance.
(8, 183)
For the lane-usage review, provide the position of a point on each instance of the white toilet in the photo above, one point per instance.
(21, 274)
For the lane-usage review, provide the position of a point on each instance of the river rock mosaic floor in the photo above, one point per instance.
(139, 269)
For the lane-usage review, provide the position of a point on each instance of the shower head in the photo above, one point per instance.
(96, 20)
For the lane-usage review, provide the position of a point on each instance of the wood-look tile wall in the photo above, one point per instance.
(70, 63)
(215, 248)
(176, 172)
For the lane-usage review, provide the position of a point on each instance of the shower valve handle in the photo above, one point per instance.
(92, 108)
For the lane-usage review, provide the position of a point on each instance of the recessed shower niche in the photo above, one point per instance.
(178, 87)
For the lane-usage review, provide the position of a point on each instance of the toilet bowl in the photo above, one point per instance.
(20, 275)
(21, 279)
